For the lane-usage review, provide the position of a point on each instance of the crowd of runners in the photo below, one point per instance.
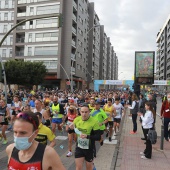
(86, 116)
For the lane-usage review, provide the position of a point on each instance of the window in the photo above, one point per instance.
(50, 36)
(46, 50)
(5, 29)
(13, 3)
(12, 15)
(80, 55)
(30, 37)
(80, 43)
(11, 40)
(4, 53)
(48, 9)
(52, 22)
(10, 53)
(5, 16)
(29, 51)
(31, 9)
(5, 41)
(6, 4)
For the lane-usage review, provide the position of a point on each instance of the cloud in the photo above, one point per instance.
(132, 25)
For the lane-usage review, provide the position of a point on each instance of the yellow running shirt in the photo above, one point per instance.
(108, 111)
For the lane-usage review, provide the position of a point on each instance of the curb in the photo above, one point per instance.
(116, 152)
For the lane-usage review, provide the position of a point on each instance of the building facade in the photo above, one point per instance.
(6, 23)
(163, 52)
(79, 50)
(103, 54)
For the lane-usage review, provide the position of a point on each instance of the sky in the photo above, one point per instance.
(132, 25)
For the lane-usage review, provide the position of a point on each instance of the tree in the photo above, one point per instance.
(24, 72)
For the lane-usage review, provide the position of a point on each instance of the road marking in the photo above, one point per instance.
(61, 137)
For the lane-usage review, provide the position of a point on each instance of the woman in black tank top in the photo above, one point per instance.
(4, 115)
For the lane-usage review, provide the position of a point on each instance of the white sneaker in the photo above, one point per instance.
(69, 154)
(143, 157)
(141, 153)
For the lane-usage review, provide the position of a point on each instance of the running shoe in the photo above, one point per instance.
(4, 142)
(144, 157)
(132, 132)
(142, 153)
(69, 154)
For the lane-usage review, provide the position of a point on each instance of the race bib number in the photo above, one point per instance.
(55, 115)
(117, 112)
(83, 143)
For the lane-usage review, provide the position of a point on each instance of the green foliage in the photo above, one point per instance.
(24, 72)
(1, 75)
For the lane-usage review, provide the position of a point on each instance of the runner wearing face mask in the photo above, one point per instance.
(26, 153)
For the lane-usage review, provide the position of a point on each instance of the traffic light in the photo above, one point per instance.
(61, 20)
(1, 75)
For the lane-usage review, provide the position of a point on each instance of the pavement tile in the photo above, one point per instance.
(133, 145)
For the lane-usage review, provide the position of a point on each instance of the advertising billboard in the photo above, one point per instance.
(144, 67)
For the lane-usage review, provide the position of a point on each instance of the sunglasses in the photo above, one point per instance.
(28, 118)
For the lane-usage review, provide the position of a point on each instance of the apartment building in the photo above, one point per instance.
(38, 39)
(94, 45)
(109, 59)
(103, 54)
(75, 41)
(115, 67)
(163, 52)
(6, 23)
(72, 51)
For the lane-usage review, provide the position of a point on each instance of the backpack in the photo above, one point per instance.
(152, 136)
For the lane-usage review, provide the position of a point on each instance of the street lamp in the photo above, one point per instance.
(76, 55)
(5, 36)
(119, 74)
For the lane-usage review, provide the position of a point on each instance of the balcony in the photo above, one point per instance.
(22, 14)
(20, 40)
(74, 30)
(52, 11)
(22, 1)
(28, 1)
(45, 25)
(73, 70)
(75, 5)
(73, 43)
(73, 57)
(21, 27)
(74, 18)
(19, 53)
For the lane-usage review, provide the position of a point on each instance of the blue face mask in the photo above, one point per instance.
(22, 143)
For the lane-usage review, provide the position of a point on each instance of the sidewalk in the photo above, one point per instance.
(131, 145)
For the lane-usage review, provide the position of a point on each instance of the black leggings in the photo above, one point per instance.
(134, 120)
(148, 149)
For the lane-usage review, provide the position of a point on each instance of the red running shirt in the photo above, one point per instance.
(35, 163)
